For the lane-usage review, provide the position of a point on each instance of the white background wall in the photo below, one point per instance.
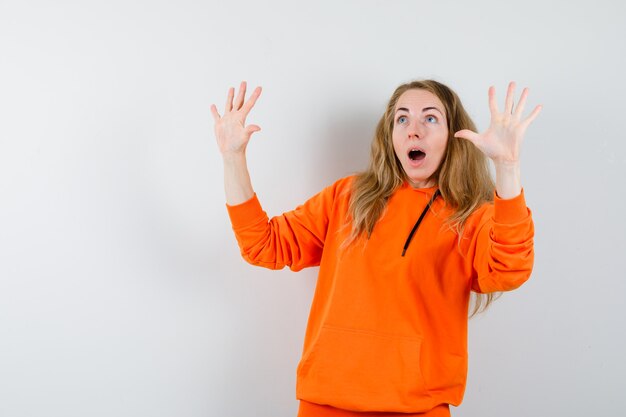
(122, 292)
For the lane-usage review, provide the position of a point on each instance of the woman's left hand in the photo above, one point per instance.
(502, 140)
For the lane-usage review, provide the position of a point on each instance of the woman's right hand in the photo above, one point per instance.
(231, 131)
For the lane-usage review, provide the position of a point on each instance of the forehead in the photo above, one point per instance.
(415, 100)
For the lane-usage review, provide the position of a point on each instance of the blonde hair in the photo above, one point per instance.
(463, 176)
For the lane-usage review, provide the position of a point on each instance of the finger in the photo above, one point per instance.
(508, 102)
(229, 100)
(250, 129)
(216, 115)
(527, 121)
(240, 96)
(519, 110)
(250, 103)
(469, 135)
(493, 105)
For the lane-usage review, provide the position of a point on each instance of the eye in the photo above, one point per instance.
(431, 119)
(402, 119)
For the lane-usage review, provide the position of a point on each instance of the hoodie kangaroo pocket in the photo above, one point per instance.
(361, 370)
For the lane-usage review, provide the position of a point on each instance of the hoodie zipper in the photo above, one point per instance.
(417, 224)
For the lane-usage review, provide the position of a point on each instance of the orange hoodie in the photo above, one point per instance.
(388, 332)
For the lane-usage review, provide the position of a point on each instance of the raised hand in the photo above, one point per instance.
(231, 131)
(501, 142)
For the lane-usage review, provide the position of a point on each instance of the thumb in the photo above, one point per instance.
(467, 134)
(250, 129)
(253, 128)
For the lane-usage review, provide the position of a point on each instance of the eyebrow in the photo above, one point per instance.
(423, 110)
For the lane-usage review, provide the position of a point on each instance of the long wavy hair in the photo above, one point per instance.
(463, 176)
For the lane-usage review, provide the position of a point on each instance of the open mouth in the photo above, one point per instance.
(416, 155)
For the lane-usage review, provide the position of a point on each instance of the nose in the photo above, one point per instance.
(416, 131)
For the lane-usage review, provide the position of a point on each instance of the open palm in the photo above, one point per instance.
(231, 131)
(501, 142)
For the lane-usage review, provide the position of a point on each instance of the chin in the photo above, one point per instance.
(422, 181)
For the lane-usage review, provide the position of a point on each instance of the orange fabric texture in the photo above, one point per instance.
(388, 333)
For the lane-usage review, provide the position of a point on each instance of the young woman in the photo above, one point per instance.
(400, 248)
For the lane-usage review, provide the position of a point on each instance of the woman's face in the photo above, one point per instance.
(420, 135)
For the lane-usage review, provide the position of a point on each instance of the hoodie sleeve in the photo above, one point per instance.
(294, 239)
(502, 246)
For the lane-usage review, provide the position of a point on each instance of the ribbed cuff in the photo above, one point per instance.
(308, 409)
(246, 213)
(510, 211)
